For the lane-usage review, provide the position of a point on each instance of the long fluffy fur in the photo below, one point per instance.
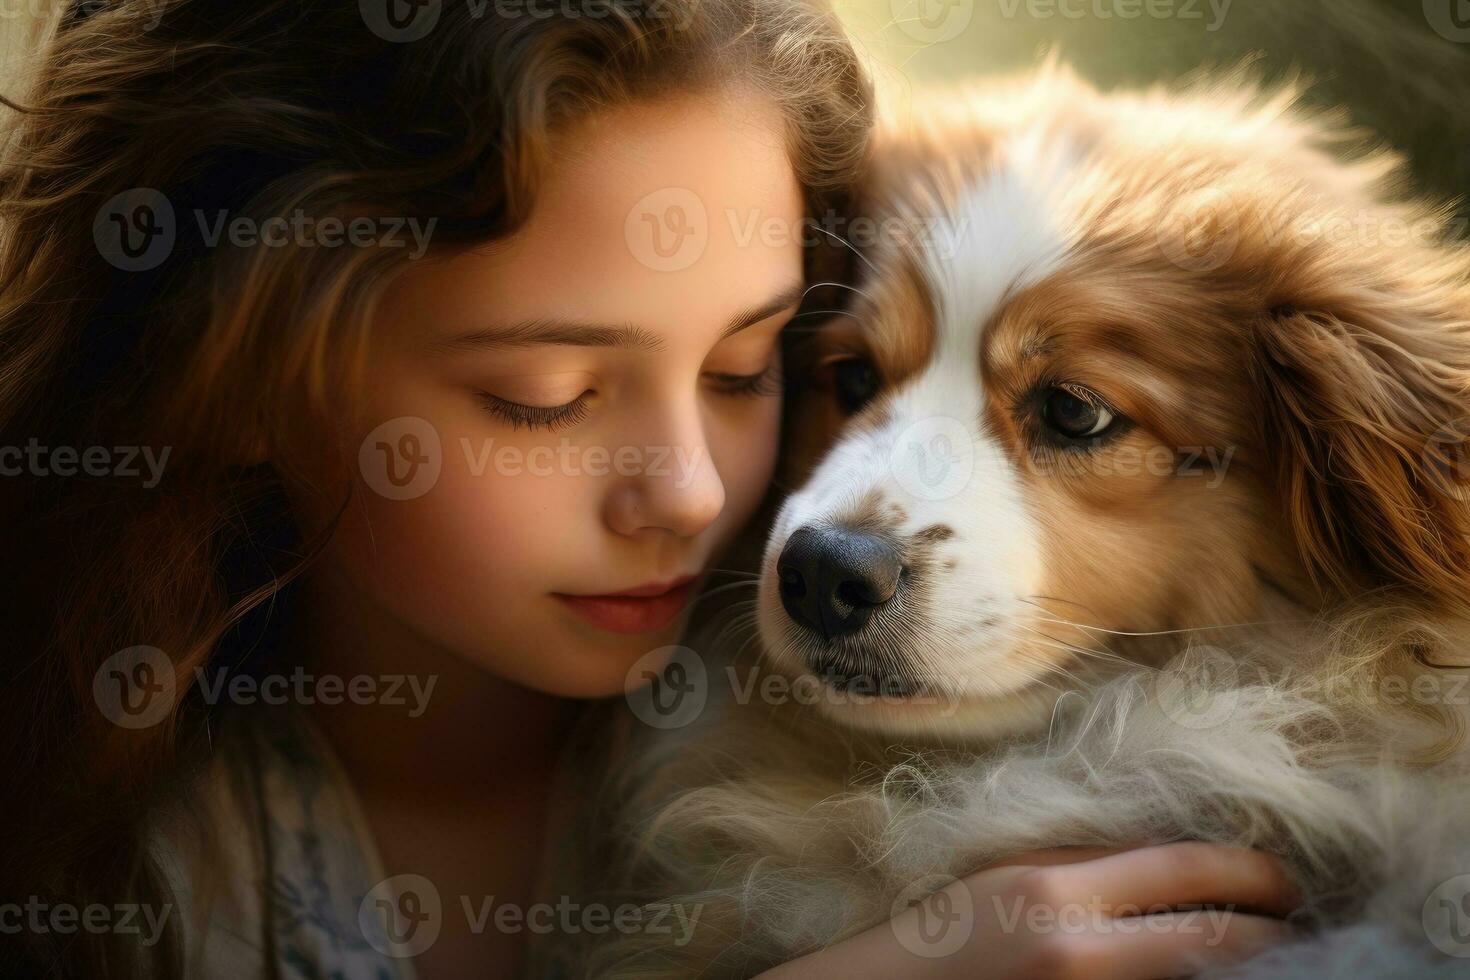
(783, 850)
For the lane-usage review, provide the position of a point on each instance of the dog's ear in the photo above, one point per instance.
(1365, 415)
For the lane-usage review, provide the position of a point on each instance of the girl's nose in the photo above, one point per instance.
(677, 488)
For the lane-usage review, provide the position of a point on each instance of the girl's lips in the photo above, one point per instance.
(640, 610)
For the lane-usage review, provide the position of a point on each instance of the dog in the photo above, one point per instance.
(1128, 485)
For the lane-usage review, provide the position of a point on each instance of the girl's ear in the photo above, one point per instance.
(1366, 410)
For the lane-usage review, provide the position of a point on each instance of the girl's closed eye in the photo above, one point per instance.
(548, 417)
(766, 381)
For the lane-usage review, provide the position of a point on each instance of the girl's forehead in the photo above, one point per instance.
(670, 229)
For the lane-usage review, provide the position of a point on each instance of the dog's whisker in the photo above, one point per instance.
(1172, 632)
(849, 246)
(1059, 644)
(839, 285)
(826, 313)
(729, 586)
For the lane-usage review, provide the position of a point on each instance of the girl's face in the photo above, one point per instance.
(585, 409)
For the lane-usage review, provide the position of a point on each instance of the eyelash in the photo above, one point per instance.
(535, 416)
(767, 382)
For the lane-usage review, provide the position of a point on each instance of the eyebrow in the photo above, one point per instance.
(537, 332)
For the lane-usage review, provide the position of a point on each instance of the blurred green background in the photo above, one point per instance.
(1401, 67)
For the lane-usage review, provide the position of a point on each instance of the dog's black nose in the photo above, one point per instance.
(833, 578)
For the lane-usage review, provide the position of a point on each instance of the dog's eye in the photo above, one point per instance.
(1075, 416)
(855, 383)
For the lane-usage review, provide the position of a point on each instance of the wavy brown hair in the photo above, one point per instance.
(262, 110)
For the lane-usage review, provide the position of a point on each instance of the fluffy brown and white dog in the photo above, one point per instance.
(1129, 493)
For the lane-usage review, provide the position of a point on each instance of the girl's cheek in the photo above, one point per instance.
(746, 456)
(483, 528)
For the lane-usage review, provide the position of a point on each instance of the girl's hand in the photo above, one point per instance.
(1077, 912)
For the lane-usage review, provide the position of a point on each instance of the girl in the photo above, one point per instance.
(452, 335)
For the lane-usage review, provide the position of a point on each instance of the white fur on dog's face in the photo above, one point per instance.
(1291, 381)
(928, 471)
